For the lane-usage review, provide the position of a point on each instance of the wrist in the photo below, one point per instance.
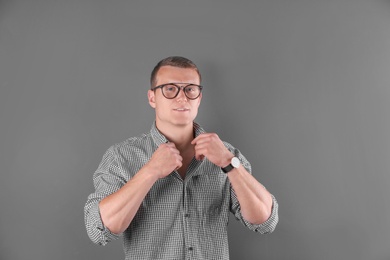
(226, 160)
(150, 172)
(234, 163)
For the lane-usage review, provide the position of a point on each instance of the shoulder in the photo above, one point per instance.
(134, 145)
(229, 146)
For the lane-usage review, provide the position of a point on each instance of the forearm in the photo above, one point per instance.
(255, 201)
(118, 210)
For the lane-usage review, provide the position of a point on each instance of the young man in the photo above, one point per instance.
(169, 192)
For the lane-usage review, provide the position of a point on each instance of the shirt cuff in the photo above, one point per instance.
(270, 224)
(98, 233)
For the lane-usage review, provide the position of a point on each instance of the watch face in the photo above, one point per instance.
(235, 162)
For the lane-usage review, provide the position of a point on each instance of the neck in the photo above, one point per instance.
(181, 136)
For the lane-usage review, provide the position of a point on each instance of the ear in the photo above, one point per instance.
(151, 98)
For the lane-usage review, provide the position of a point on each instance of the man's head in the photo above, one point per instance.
(175, 93)
(174, 61)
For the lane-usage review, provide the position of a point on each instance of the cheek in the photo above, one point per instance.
(195, 109)
(196, 104)
(161, 107)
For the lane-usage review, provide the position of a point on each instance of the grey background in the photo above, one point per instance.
(302, 88)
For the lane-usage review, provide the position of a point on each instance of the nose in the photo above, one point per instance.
(181, 95)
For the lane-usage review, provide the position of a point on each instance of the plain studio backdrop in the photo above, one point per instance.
(302, 88)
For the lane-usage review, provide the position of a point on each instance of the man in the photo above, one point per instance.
(169, 192)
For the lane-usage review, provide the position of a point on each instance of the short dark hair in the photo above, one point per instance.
(174, 61)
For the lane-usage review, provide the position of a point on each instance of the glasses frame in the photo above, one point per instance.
(179, 88)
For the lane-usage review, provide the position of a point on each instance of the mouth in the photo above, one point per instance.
(182, 109)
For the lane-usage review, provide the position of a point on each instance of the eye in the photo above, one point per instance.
(190, 89)
(170, 88)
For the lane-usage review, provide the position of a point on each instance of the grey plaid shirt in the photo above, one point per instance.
(178, 219)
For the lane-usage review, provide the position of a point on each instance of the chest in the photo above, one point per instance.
(188, 157)
(184, 168)
(202, 195)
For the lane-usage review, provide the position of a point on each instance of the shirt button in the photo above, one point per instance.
(190, 248)
(187, 215)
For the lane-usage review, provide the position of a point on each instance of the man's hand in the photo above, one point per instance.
(165, 160)
(210, 146)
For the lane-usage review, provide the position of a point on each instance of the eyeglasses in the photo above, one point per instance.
(171, 90)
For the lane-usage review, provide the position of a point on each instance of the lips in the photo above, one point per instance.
(182, 109)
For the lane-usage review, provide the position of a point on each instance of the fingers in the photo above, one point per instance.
(199, 156)
(170, 148)
(203, 145)
(210, 145)
(172, 153)
(201, 151)
(200, 145)
(166, 159)
(205, 138)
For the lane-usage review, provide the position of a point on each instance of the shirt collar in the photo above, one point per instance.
(159, 138)
(198, 129)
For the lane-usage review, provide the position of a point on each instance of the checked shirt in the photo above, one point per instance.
(178, 219)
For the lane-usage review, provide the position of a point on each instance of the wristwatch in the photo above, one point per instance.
(234, 163)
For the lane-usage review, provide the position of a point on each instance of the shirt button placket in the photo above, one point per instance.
(187, 226)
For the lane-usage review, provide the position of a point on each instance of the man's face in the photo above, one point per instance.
(179, 111)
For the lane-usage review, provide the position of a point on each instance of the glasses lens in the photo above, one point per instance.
(170, 91)
(192, 91)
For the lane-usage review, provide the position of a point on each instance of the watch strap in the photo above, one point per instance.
(227, 168)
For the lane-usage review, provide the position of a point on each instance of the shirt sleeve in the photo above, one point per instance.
(107, 179)
(264, 228)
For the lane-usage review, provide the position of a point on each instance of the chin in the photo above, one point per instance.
(182, 122)
(177, 121)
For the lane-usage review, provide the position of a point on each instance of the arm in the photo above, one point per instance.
(118, 209)
(113, 205)
(255, 201)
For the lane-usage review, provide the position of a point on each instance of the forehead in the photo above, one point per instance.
(170, 74)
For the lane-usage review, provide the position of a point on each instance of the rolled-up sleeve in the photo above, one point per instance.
(107, 179)
(97, 232)
(264, 228)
